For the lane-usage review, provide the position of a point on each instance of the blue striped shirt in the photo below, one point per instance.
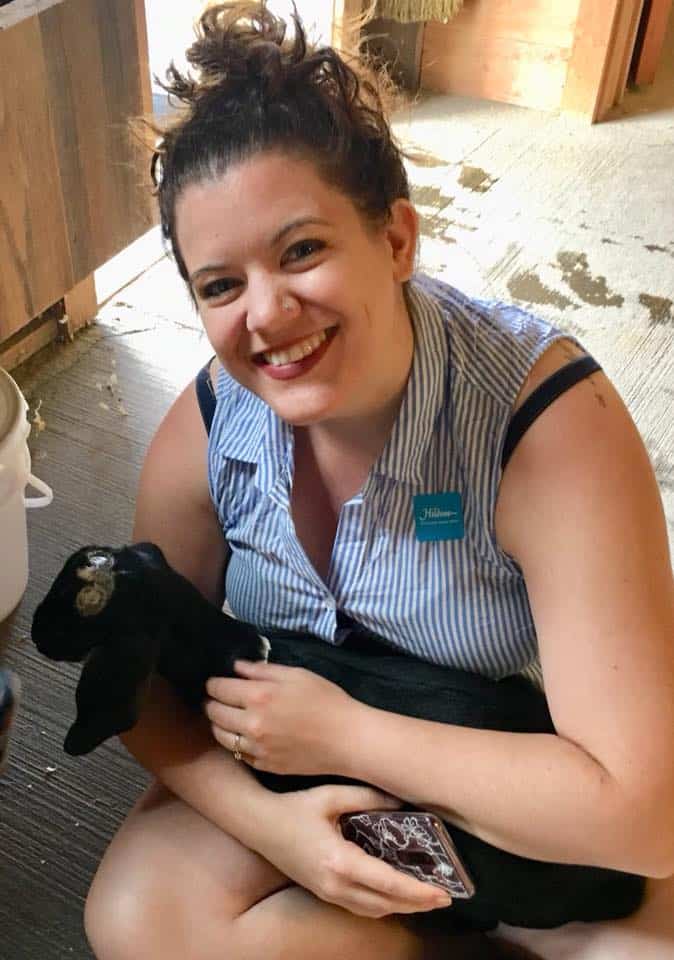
(460, 602)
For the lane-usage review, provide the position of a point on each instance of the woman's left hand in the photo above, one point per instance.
(280, 719)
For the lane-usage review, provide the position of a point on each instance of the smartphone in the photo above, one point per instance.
(413, 841)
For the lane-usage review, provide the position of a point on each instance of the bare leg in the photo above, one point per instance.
(172, 885)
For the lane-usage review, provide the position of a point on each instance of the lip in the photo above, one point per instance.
(258, 355)
(289, 371)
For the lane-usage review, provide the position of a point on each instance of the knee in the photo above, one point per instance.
(115, 914)
(135, 913)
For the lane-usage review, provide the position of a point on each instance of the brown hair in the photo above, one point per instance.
(255, 91)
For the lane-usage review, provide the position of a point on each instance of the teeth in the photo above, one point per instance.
(299, 350)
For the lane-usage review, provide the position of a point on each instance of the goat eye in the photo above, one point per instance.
(91, 600)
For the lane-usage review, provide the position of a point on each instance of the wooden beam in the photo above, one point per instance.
(620, 57)
(654, 37)
(605, 29)
(81, 304)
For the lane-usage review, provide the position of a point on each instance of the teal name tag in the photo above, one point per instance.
(438, 516)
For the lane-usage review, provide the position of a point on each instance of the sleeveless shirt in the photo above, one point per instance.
(449, 595)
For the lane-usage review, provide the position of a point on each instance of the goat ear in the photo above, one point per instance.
(110, 691)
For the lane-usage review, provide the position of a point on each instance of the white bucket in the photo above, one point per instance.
(15, 476)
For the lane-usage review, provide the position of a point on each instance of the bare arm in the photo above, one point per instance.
(580, 510)
(174, 510)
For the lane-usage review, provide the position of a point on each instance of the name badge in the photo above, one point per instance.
(438, 516)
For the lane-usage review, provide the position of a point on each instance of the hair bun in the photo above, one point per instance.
(240, 44)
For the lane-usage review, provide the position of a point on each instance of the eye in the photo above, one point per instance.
(303, 249)
(217, 288)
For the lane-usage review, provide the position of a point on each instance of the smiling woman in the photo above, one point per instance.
(383, 456)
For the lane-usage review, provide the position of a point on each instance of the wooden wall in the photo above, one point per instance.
(73, 184)
(547, 54)
(658, 14)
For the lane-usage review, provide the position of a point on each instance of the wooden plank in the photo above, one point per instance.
(81, 304)
(595, 31)
(605, 36)
(502, 50)
(502, 68)
(34, 339)
(622, 56)
(128, 97)
(143, 48)
(92, 52)
(36, 266)
(654, 38)
(548, 22)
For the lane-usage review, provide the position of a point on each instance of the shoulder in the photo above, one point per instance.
(494, 346)
(173, 505)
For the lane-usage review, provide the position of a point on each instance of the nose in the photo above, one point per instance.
(269, 307)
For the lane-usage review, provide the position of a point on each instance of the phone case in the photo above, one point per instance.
(414, 842)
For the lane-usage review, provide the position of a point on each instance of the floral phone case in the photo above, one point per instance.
(414, 842)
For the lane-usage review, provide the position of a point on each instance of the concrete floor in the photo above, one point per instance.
(576, 221)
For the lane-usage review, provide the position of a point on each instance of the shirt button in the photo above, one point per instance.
(329, 604)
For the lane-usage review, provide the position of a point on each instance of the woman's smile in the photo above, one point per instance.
(300, 297)
(295, 360)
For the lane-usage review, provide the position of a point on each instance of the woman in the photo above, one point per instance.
(349, 397)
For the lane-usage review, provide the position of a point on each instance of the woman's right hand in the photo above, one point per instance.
(302, 838)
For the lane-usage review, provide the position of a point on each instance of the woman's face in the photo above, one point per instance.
(302, 303)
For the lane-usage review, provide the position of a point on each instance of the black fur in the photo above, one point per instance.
(155, 620)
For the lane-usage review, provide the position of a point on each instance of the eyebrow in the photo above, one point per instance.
(278, 236)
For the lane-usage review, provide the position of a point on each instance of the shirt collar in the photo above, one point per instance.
(255, 434)
(404, 456)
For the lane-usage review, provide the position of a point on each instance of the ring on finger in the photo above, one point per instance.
(237, 747)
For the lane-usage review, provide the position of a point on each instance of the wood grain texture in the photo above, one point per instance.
(620, 57)
(596, 27)
(92, 57)
(502, 50)
(34, 254)
(654, 38)
(81, 304)
(74, 181)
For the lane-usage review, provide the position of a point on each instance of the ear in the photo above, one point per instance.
(402, 233)
(110, 691)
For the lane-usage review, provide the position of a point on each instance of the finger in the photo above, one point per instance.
(229, 690)
(380, 905)
(235, 743)
(261, 670)
(404, 891)
(228, 718)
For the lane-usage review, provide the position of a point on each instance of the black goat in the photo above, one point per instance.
(128, 614)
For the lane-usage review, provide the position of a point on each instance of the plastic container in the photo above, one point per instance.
(15, 476)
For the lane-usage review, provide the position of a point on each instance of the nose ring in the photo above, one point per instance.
(287, 304)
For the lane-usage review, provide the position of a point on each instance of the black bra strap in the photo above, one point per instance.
(206, 395)
(541, 398)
